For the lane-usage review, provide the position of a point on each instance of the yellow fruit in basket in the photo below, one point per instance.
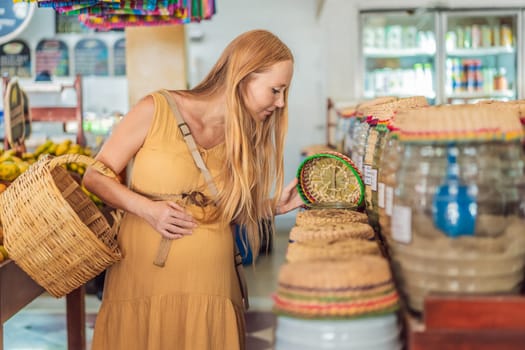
(9, 171)
(3, 252)
(23, 166)
(3, 187)
(28, 156)
(63, 147)
(16, 159)
(87, 151)
(52, 149)
(81, 170)
(73, 167)
(7, 155)
(75, 149)
(43, 148)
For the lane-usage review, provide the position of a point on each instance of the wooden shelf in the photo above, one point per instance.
(17, 290)
(56, 113)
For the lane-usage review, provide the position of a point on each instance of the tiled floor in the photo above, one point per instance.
(42, 325)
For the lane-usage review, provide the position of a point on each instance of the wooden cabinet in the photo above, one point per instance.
(468, 323)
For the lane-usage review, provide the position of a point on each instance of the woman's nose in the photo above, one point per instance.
(279, 103)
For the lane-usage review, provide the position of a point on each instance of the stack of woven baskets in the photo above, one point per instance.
(335, 289)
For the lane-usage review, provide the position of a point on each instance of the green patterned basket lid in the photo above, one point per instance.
(330, 180)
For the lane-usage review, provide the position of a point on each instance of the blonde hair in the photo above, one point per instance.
(254, 149)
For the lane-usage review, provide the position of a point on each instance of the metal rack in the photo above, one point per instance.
(62, 114)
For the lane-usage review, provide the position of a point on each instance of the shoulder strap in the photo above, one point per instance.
(190, 142)
(163, 251)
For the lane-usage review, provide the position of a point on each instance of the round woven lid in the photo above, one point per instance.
(339, 250)
(330, 178)
(332, 232)
(362, 271)
(315, 217)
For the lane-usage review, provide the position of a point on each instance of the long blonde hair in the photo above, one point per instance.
(253, 170)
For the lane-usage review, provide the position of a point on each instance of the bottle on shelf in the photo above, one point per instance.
(506, 35)
(500, 80)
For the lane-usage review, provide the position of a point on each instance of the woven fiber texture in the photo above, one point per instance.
(53, 230)
(317, 217)
(332, 232)
(330, 178)
(338, 250)
(359, 271)
(358, 286)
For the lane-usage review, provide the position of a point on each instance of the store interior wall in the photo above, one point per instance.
(102, 95)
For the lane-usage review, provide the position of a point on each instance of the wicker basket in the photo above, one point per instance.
(53, 230)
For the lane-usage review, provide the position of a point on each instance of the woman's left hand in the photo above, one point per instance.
(290, 199)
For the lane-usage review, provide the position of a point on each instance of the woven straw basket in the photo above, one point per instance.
(53, 230)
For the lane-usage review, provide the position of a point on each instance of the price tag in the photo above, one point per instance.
(367, 179)
(373, 178)
(402, 224)
(381, 195)
(14, 113)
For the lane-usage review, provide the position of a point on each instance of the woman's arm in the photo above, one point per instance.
(168, 218)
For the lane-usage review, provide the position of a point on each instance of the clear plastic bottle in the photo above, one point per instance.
(429, 258)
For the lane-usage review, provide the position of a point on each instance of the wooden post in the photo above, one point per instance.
(155, 59)
(76, 319)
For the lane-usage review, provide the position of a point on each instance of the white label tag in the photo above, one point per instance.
(402, 224)
(373, 179)
(367, 179)
(389, 200)
(381, 195)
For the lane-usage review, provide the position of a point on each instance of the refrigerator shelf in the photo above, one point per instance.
(372, 52)
(472, 95)
(450, 56)
(484, 51)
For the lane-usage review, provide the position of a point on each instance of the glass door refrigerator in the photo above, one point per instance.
(398, 56)
(481, 55)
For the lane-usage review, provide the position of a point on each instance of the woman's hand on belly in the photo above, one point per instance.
(169, 219)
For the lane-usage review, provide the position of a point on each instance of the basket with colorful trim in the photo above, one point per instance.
(330, 180)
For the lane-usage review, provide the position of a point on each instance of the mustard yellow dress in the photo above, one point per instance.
(194, 301)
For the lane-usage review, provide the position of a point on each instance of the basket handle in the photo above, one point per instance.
(82, 159)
